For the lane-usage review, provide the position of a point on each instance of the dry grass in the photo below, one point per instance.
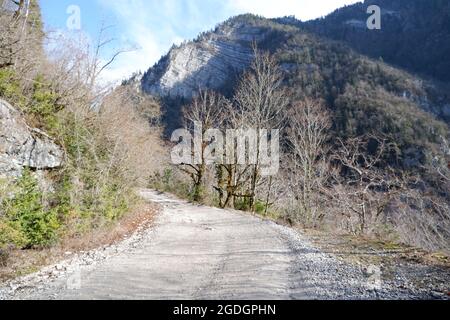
(401, 265)
(367, 250)
(22, 262)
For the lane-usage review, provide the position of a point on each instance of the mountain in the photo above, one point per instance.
(414, 35)
(210, 61)
(363, 94)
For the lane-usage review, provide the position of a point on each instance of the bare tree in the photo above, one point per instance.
(422, 219)
(104, 133)
(232, 180)
(364, 184)
(20, 40)
(97, 65)
(440, 165)
(205, 113)
(125, 132)
(260, 102)
(308, 131)
(20, 6)
(9, 32)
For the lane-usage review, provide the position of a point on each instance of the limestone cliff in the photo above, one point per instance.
(22, 146)
(208, 62)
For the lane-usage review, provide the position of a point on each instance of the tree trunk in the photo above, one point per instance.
(20, 4)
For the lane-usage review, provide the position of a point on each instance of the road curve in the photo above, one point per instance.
(197, 252)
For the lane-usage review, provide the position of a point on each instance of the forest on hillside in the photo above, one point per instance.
(415, 35)
(379, 162)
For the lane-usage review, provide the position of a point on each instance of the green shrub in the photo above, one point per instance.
(11, 235)
(260, 207)
(167, 177)
(242, 204)
(10, 88)
(26, 214)
(168, 181)
(162, 182)
(113, 203)
(40, 227)
(44, 104)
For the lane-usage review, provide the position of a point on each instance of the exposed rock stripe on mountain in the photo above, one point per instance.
(208, 62)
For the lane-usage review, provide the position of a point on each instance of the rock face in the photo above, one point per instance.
(208, 62)
(24, 147)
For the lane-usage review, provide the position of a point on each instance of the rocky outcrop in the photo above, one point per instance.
(208, 62)
(23, 147)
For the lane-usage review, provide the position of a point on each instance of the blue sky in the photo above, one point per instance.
(152, 26)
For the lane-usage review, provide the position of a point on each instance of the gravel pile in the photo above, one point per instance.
(333, 278)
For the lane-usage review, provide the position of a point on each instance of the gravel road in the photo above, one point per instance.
(197, 252)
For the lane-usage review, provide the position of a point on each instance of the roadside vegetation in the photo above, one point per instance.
(353, 182)
(103, 134)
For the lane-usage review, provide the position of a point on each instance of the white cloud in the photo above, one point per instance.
(154, 25)
(135, 25)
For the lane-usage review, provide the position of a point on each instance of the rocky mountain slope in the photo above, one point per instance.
(210, 61)
(23, 147)
(364, 95)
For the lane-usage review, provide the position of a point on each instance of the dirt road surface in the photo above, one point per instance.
(197, 252)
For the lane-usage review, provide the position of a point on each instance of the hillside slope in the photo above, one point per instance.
(414, 35)
(364, 95)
